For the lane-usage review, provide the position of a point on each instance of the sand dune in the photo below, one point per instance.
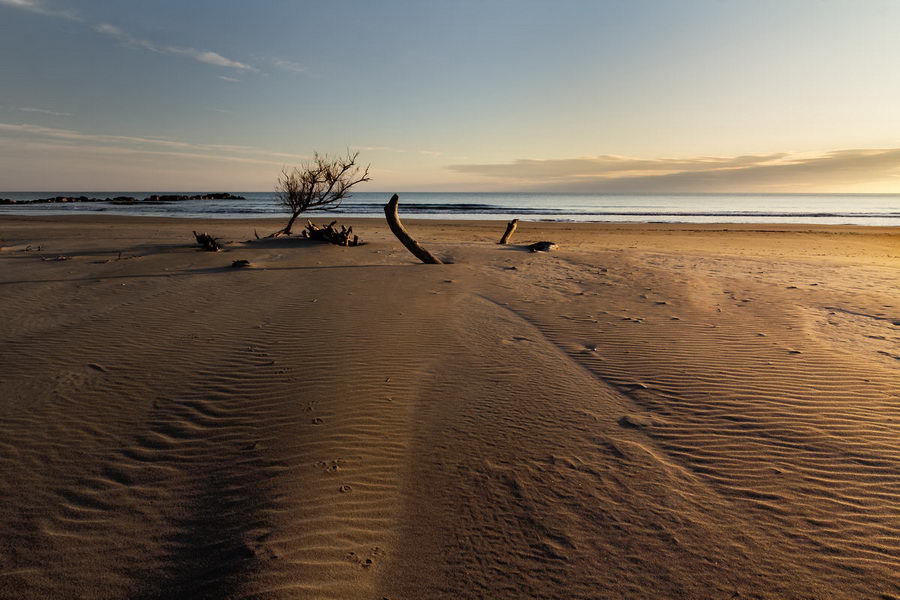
(651, 412)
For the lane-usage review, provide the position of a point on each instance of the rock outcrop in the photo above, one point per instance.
(154, 199)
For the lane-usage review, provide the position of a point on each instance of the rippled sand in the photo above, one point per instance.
(653, 411)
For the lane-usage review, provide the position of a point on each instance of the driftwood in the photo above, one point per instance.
(117, 258)
(393, 219)
(510, 229)
(542, 246)
(208, 242)
(329, 233)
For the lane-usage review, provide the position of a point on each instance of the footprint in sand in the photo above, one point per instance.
(345, 489)
(330, 466)
(317, 421)
(367, 561)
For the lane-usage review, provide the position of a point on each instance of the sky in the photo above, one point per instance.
(453, 95)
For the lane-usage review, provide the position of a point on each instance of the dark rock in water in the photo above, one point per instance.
(543, 246)
(55, 200)
(64, 199)
(181, 197)
(166, 198)
(217, 196)
(240, 263)
(154, 199)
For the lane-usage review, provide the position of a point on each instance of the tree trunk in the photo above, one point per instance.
(393, 219)
(510, 229)
(290, 223)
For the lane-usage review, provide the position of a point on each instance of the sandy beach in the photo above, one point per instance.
(652, 411)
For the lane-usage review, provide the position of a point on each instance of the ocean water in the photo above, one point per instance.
(835, 209)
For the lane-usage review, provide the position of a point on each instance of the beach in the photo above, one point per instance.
(669, 410)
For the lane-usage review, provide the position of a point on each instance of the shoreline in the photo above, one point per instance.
(500, 218)
(475, 222)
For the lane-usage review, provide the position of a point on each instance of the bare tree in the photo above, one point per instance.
(318, 183)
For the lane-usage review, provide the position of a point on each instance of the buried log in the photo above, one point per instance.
(393, 219)
(330, 234)
(510, 229)
(208, 242)
(542, 246)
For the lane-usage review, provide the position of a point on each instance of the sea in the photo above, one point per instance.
(830, 209)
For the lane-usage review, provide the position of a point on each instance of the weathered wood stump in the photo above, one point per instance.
(208, 242)
(510, 230)
(393, 219)
(330, 234)
(542, 246)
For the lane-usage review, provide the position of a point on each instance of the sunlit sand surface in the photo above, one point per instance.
(652, 411)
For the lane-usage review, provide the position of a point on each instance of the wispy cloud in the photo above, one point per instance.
(154, 145)
(204, 56)
(751, 173)
(208, 57)
(288, 65)
(44, 111)
(231, 79)
(119, 151)
(35, 7)
(376, 149)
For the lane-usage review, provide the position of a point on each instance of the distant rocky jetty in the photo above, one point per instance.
(180, 197)
(154, 199)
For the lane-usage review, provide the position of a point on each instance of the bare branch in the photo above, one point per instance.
(322, 182)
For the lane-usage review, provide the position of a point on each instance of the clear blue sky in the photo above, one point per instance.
(622, 95)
